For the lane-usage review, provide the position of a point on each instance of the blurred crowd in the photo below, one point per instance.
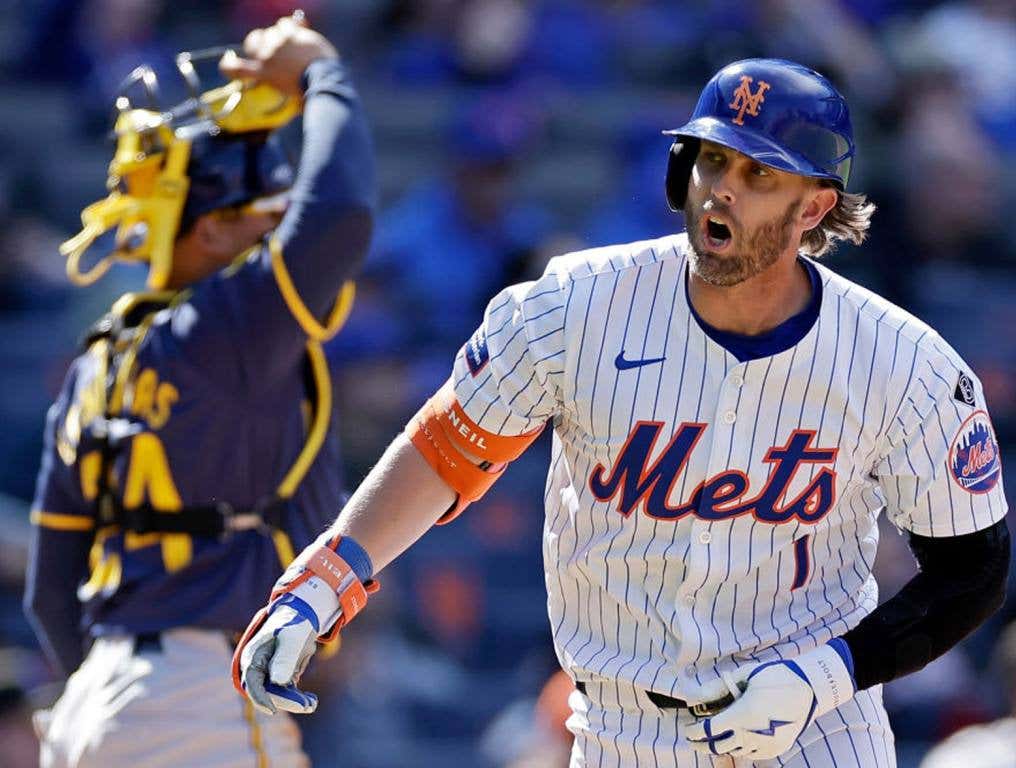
(507, 132)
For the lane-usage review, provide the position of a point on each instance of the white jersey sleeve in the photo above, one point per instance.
(942, 475)
(507, 377)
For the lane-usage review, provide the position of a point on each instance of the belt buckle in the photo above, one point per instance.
(226, 515)
(710, 708)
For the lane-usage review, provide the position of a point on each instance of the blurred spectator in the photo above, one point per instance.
(991, 745)
(446, 247)
(531, 733)
(101, 42)
(977, 41)
(636, 207)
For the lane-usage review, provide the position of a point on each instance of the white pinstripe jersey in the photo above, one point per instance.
(704, 514)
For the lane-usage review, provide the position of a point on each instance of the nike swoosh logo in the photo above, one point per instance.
(624, 365)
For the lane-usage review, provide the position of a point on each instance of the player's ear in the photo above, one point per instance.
(818, 201)
(210, 233)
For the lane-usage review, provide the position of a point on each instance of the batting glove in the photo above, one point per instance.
(318, 594)
(780, 701)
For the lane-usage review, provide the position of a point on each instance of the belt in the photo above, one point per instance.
(663, 701)
(148, 642)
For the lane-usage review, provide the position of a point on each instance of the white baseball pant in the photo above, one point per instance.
(162, 709)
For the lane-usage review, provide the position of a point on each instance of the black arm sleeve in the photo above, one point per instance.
(960, 584)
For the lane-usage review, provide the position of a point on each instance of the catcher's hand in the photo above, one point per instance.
(781, 700)
(279, 54)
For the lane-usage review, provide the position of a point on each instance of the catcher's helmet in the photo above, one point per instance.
(780, 113)
(214, 150)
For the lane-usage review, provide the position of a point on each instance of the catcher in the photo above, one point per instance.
(193, 446)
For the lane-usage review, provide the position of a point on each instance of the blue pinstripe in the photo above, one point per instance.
(592, 404)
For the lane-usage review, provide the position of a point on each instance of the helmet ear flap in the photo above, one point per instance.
(681, 160)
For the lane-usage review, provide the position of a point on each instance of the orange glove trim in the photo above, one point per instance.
(255, 624)
(328, 566)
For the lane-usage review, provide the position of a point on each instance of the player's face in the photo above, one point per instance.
(215, 240)
(741, 215)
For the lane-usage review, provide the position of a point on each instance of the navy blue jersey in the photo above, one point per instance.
(212, 399)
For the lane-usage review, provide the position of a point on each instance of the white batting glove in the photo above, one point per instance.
(317, 595)
(273, 659)
(781, 700)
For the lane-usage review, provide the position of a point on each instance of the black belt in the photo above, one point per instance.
(209, 520)
(148, 642)
(663, 701)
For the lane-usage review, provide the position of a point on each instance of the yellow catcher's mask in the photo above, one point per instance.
(171, 166)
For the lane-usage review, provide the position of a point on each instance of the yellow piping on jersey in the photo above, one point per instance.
(123, 306)
(106, 569)
(256, 741)
(336, 318)
(283, 547)
(315, 439)
(318, 428)
(58, 522)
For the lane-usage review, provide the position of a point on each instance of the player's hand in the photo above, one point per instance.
(317, 595)
(781, 700)
(273, 653)
(279, 54)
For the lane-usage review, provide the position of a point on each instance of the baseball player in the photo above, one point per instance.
(193, 446)
(730, 417)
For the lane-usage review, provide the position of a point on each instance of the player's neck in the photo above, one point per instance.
(757, 305)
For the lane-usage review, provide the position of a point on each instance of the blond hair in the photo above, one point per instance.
(849, 220)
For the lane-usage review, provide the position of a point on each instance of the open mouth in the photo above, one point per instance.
(716, 233)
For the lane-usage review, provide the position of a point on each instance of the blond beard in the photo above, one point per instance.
(762, 249)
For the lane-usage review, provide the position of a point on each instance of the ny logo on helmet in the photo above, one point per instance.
(747, 102)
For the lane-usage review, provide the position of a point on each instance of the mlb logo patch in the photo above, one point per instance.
(476, 352)
(964, 391)
(973, 457)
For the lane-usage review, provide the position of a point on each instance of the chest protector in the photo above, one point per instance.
(114, 340)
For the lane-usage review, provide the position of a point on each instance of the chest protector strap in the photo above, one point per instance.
(120, 333)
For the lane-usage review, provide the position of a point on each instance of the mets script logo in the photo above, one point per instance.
(746, 102)
(973, 457)
(722, 496)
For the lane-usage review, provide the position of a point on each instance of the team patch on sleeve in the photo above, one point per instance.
(973, 457)
(476, 352)
(964, 391)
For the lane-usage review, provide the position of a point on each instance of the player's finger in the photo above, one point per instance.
(289, 658)
(233, 66)
(252, 42)
(292, 699)
(300, 18)
(255, 677)
(705, 737)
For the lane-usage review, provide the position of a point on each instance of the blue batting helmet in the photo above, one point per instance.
(780, 113)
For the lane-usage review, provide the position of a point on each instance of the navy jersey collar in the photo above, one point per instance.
(782, 337)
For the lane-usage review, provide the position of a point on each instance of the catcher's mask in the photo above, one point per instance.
(212, 151)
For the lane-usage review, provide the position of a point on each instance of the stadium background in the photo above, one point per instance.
(509, 131)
